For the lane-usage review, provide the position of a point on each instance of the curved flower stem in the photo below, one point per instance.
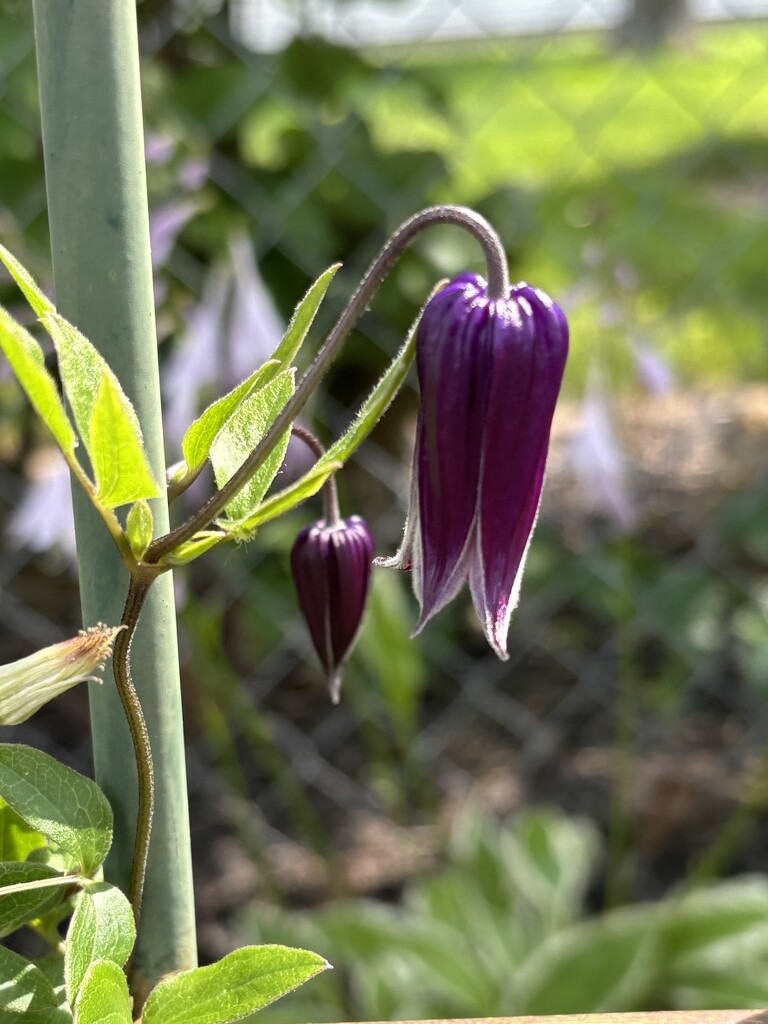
(121, 663)
(330, 491)
(498, 286)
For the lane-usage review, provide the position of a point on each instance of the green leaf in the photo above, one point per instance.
(104, 997)
(240, 435)
(376, 404)
(302, 318)
(19, 907)
(102, 928)
(281, 502)
(23, 987)
(17, 839)
(52, 967)
(26, 359)
(39, 302)
(116, 449)
(193, 548)
(104, 416)
(606, 964)
(200, 435)
(138, 527)
(62, 804)
(241, 983)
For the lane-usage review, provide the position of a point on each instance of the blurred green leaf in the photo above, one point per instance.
(60, 803)
(605, 965)
(17, 839)
(237, 985)
(390, 655)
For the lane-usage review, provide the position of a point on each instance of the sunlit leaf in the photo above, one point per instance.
(104, 416)
(244, 981)
(302, 319)
(57, 801)
(26, 359)
(102, 928)
(240, 435)
(120, 464)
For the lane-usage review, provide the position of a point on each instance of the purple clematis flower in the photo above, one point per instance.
(331, 567)
(489, 372)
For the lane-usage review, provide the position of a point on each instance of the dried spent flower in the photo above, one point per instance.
(331, 567)
(489, 371)
(27, 684)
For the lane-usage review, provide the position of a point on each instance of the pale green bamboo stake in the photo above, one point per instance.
(88, 67)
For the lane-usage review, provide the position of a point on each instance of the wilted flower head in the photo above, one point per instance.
(331, 567)
(489, 372)
(27, 684)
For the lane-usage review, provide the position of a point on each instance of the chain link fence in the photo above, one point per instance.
(633, 186)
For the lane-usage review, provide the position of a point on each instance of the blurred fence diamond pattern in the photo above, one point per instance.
(623, 155)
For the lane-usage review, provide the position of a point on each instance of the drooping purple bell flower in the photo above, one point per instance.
(331, 567)
(490, 372)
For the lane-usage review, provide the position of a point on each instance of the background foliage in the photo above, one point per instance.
(630, 185)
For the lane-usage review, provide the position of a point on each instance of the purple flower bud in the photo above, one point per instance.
(490, 373)
(331, 568)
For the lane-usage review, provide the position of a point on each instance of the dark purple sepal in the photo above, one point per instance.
(530, 346)
(453, 364)
(331, 568)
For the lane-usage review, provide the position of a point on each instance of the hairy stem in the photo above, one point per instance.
(121, 662)
(331, 512)
(498, 287)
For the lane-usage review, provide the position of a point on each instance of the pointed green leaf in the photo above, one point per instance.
(138, 527)
(17, 839)
(104, 416)
(103, 997)
(39, 302)
(240, 435)
(23, 987)
(376, 404)
(244, 981)
(200, 435)
(19, 907)
(26, 359)
(59, 802)
(102, 928)
(192, 549)
(120, 464)
(280, 503)
(302, 318)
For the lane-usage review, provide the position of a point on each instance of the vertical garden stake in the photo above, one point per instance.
(88, 65)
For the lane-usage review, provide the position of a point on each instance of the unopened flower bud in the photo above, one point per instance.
(27, 684)
(331, 567)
